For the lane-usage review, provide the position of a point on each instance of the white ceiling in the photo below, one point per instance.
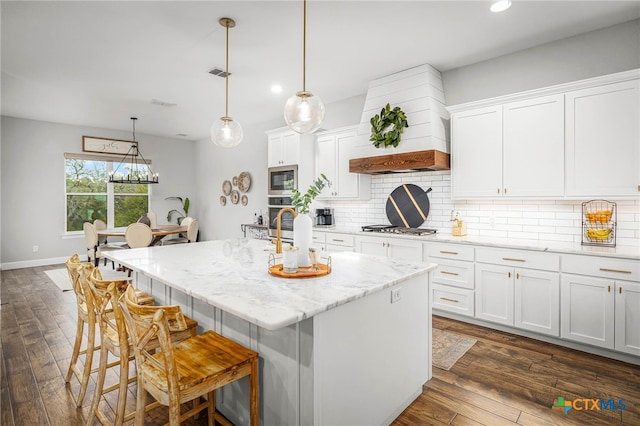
(98, 63)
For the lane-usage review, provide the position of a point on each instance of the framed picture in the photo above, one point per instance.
(108, 146)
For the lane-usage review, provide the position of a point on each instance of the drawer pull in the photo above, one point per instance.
(337, 240)
(512, 259)
(615, 270)
(450, 300)
(448, 252)
(449, 273)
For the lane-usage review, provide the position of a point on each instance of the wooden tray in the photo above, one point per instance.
(306, 272)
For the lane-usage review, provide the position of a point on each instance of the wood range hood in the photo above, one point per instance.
(429, 160)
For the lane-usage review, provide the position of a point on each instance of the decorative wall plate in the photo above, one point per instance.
(223, 200)
(235, 196)
(244, 181)
(244, 200)
(226, 187)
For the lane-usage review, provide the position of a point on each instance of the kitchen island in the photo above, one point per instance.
(349, 348)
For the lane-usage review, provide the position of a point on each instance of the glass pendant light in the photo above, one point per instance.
(304, 111)
(226, 132)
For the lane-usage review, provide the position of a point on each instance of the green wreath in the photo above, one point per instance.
(381, 122)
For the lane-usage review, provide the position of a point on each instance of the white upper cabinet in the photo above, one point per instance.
(283, 149)
(476, 153)
(334, 149)
(510, 150)
(574, 140)
(602, 141)
(533, 147)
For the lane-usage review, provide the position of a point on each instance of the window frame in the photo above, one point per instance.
(110, 193)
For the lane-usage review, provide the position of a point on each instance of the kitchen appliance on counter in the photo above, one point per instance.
(282, 180)
(391, 229)
(325, 217)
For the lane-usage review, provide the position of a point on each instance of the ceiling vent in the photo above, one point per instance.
(218, 72)
(163, 103)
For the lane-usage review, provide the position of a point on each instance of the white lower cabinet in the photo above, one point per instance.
(333, 242)
(523, 297)
(627, 322)
(395, 248)
(494, 293)
(601, 302)
(452, 287)
(588, 310)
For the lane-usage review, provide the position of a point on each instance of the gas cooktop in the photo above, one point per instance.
(390, 229)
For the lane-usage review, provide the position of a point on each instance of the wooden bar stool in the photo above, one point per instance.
(79, 271)
(115, 342)
(182, 372)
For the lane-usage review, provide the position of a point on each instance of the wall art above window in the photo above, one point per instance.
(108, 146)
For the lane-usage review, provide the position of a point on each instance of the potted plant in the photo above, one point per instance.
(185, 209)
(302, 224)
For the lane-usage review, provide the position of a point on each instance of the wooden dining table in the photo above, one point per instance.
(159, 232)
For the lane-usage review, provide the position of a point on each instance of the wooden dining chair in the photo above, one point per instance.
(180, 372)
(115, 343)
(79, 271)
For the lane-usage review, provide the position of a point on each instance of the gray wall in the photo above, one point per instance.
(33, 185)
(592, 54)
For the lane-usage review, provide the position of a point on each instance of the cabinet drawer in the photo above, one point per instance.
(451, 299)
(319, 237)
(605, 267)
(340, 239)
(450, 251)
(332, 248)
(519, 258)
(453, 273)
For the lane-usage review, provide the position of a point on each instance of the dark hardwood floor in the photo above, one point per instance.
(502, 379)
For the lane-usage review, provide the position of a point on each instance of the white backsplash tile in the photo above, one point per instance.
(552, 220)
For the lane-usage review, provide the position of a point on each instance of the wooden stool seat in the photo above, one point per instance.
(179, 372)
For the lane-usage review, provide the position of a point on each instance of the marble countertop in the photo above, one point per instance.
(623, 252)
(233, 276)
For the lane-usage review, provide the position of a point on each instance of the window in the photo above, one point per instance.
(89, 196)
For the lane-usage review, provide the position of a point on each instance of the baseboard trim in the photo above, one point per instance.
(36, 262)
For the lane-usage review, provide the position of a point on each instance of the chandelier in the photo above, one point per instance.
(134, 171)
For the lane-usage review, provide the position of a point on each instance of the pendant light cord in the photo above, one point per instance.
(226, 78)
(304, 46)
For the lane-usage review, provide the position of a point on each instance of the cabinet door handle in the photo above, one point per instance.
(513, 259)
(498, 190)
(608, 289)
(517, 275)
(620, 290)
(449, 273)
(509, 274)
(621, 271)
(450, 300)
(449, 252)
(505, 190)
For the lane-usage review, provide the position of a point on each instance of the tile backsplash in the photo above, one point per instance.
(551, 220)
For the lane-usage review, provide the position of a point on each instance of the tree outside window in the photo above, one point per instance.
(89, 196)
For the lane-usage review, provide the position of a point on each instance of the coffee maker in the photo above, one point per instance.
(324, 217)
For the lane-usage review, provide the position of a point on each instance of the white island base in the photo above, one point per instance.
(352, 357)
(361, 363)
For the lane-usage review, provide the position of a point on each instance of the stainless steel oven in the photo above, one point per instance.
(275, 204)
(282, 180)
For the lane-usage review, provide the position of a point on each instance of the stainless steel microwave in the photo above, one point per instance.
(282, 180)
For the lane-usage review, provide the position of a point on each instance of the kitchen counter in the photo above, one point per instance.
(623, 252)
(321, 340)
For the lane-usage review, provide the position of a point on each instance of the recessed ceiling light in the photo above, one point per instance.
(276, 88)
(500, 6)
